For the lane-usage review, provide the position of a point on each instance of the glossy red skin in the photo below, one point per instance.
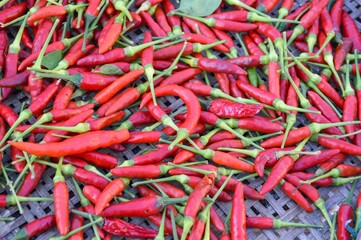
(61, 207)
(77, 221)
(345, 213)
(145, 171)
(341, 52)
(259, 222)
(181, 76)
(350, 30)
(294, 136)
(308, 161)
(226, 109)
(171, 190)
(238, 215)
(296, 196)
(155, 156)
(90, 178)
(282, 167)
(228, 160)
(29, 183)
(343, 146)
(114, 188)
(12, 13)
(92, 193)
(350, 113)
(39, 225)
(99, 159)
(307, 189)
(336, 14)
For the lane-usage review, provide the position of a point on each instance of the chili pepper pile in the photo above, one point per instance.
(95, 92)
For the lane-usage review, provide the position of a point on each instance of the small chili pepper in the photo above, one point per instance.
(35, 227)
(341, 52)
(336, 15)
(99, 159)
(292, 192)
(15, 80)
(92, 193)
(330, 164)
(152, 25)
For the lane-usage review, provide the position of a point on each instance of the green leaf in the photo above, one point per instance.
(199, 8)
(51, 60)
(110, 69)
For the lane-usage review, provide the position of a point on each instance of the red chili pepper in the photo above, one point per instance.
(227, 109)
(171, 190)
(30, 182)
(252, 47)
(11, 13)
(308, 161)
(351, 31)
(36, 227)
(327, 111)
(92, 193)
(161, 19)
(122, 228)
(296, 196)
(152, 25)
(15, 80)
(308, 19)
(41, 35)
(181, 76)
(112, 34)
(61, 202)
(238, 214)
(330, 164)
(194, 203)
(336, 15)
(265, 223)
(75, 145)
(110, 191)
(99, 159)
(77, 221)
(140, 207)
(345, 216)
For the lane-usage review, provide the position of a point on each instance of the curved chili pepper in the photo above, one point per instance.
(336, 15)
(91, 193)
(11, 13)
(31, 182)
(296, 196)
(345, 217)
(191, 102)
(61, 202)
(15, 80)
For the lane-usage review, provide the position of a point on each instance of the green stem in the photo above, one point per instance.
(37, 63)
(245, 6)
(174, 227)
(160, 235)
(12, 189)
(277, 223)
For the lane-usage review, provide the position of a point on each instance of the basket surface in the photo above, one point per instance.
(276, 205)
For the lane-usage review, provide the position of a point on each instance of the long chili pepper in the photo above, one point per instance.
(336, 15)
(71, 58)
(52, 11)
(330, 164)
(342, 170)
(205, 214)
(281, 168)
(308, 161)
(350, 106)
(299, 134)
(312, 193)
(77, 221)
(76, 144)
(59, 45)
(35, 227)
(61, 201)
(268, 98)
(11, 13)
(31, 181)
(221, 158)
(345, 216)
(152, 25)
(194, 202)
(238, 214)
(140, 207)
(341, 52)
(99, 159)
(161, 19)
(327, 110)
(90, 15)
(225, 108)
(63, 97)
(117, 54)
(358, 213)
(4, 48)
(15, 80)
(343, 146)
(292, 192)
(41, 34)
(265, 223)
(181, 76)
(273, 72)
(308, 19)
(350, 30)
(137, 119)
(357, 84)
(35, 107)
(110, 191)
